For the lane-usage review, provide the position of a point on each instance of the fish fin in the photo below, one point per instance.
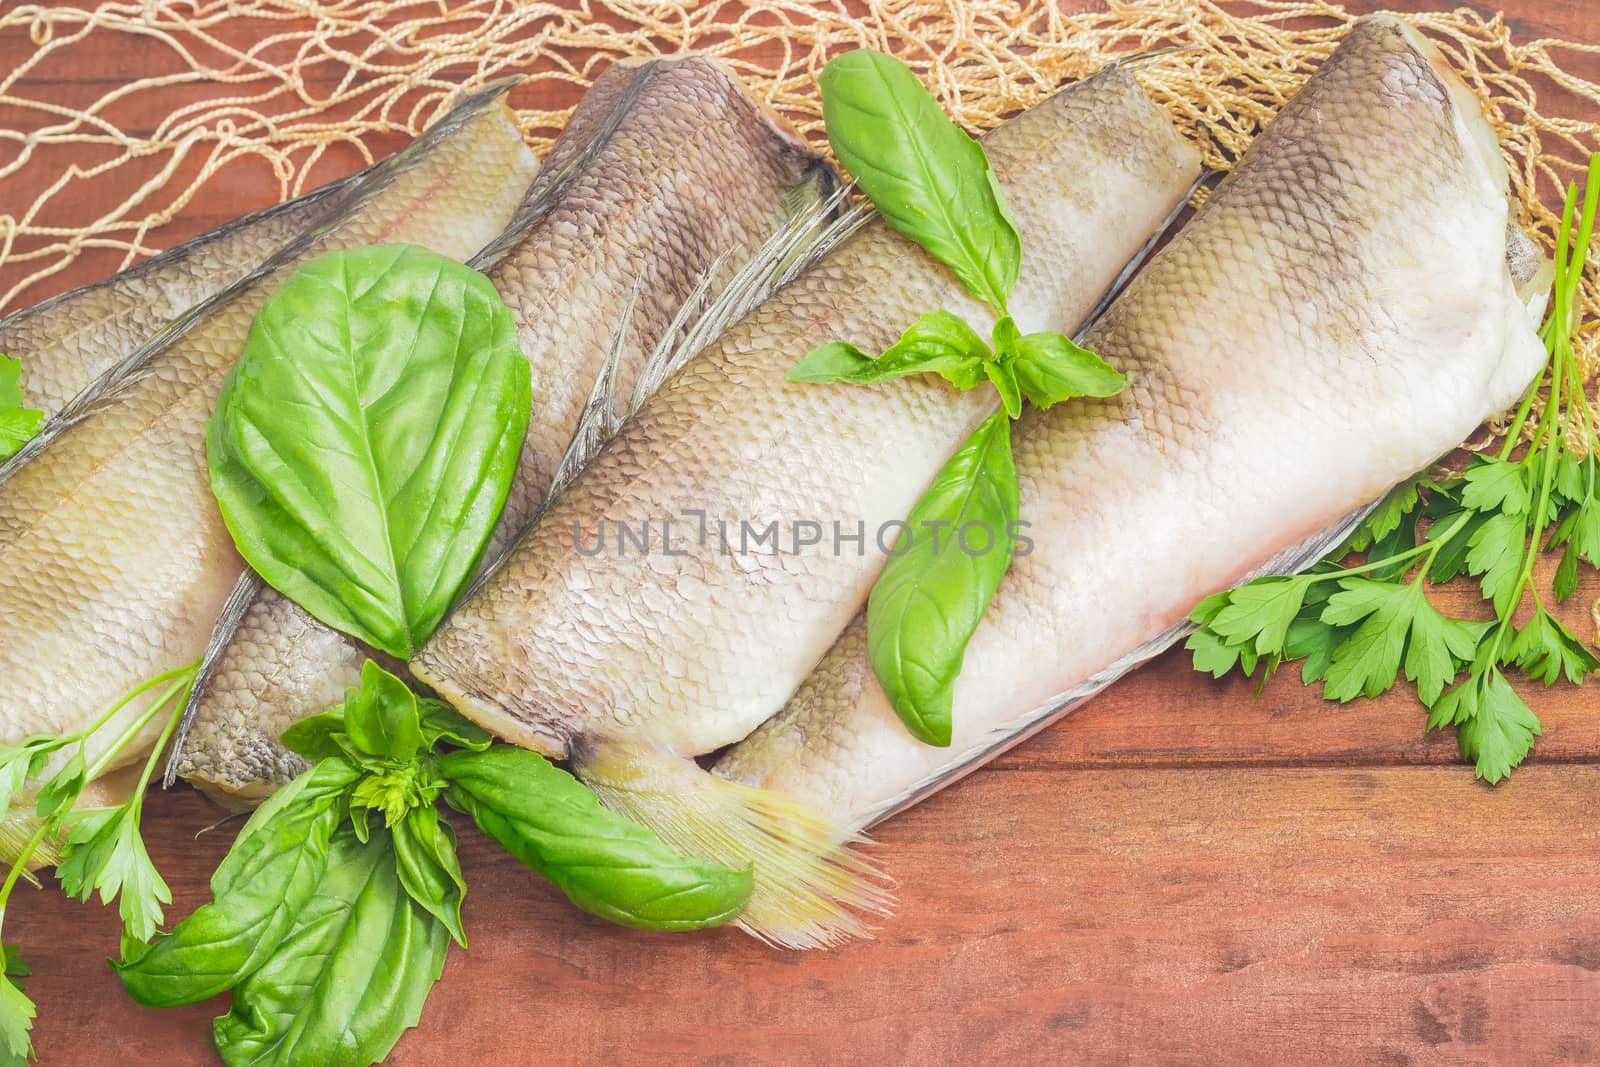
(812, 228)
(601, 418)
(19, 825)
(810, 885)
(360, 190)
(797, 244)
(1292, 560)
(228, 620)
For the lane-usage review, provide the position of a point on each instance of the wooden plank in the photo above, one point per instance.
(1045, 914)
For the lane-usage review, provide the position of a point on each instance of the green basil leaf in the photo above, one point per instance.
(937, 343)
(1004, 378)
(347, 977)
(365, 441)
(836, 361)
(380, 716)
(257, 891)
(926, 177)
(319, 736)
(17, 424)
(425, 856)
(936, 586)
(605, 864)
(442, 723)
(1052, 368)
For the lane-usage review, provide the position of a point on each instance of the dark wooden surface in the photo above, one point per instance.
(1179, 871)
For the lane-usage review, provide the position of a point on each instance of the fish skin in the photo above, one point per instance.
(1354, 273)
(68, 341)
(113, 557)
(629, 664)
(666, 165)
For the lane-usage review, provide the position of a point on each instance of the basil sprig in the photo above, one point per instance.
(365, 441)
(933, 183)
(350, 870)
(362, 451)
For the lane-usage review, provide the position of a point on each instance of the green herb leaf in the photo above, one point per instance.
(926, 177)
(443, 724)
(104, 851)
(936, 586)
(365, 441)
(57, 795)
(1496, 485)
(425, 857)
(1395, 621)
(1052, 368)
(17, 424)
(1495, 554)
(19, 765)
(381, 717)
(1547, 650)
(319, 737)
(605, 864)
(1004, 378)
(1383, 520)
(1494, 728)
(1261, 613)
(937, 343)
(16, 1023)
(347, 976)
(261, 886)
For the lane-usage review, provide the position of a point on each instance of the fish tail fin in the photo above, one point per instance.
(16, 829)
(810, 885)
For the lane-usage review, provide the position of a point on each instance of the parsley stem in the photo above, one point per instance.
(121, 703)
(134, 728)
(21, 864)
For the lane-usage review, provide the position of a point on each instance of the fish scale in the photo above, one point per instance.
(630, 664)
(1348, 306)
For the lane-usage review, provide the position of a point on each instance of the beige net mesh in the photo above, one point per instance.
(126, 116)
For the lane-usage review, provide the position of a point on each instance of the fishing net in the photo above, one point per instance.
(127, 126)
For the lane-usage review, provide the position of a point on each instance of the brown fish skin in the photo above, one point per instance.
(666, 166)
(630, 663)
(1346, 308)
(113, 558)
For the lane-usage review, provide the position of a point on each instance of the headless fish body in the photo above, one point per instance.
(668, 178)
(631, 662)
(114, 560)
(1337, 316)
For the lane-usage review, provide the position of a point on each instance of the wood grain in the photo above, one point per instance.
(1180, 871)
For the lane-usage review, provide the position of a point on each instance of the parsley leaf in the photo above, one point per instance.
(104, 851)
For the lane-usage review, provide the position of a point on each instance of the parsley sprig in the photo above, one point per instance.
(100, 847)
(1358, 627)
